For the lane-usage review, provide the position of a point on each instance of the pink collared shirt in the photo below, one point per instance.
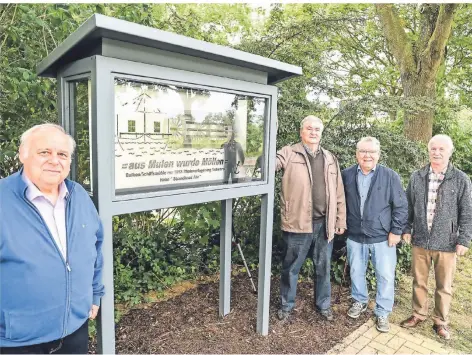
(53, 215)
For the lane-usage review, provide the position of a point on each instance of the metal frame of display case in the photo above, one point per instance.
(104, 48)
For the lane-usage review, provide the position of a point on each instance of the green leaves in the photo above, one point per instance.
(350, 80)
(29, 32)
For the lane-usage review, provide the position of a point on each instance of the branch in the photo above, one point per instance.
(3, 11)
(6, 36)
(428, 16)
(442, 30)
(360, 47)
(284, 41)
(44, 36)
(396, 37)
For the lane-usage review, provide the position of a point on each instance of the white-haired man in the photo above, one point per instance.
(440, 229)
(50, 250)
(313, 210)
(376, 215)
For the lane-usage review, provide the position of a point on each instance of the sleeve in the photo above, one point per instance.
(399, 204)
(465, 215)
(98, 288)
(411, 215)
(282, 158)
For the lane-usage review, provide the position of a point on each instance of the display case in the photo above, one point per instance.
(162, 120)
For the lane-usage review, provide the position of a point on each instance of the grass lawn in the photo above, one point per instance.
(461, 310)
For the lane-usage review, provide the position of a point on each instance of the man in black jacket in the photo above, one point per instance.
(440, 229)
(376, 215)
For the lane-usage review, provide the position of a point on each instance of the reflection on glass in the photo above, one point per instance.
(169, 137)
(80, 119)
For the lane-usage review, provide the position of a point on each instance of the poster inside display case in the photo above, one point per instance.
(171, 137)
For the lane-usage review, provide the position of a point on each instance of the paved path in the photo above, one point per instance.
(368, 340)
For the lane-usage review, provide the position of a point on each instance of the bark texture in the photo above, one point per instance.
(419, 60)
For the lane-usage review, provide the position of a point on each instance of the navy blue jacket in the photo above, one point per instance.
(385, 208)
(42, 297)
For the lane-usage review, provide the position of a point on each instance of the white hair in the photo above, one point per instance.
(311, 118)
(368, 139)
(445, 138)
(27, 135)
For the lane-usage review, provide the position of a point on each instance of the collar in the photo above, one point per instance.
(450, 172)
(372, 171)
(33, 192)
(443, 172)
(310, 152)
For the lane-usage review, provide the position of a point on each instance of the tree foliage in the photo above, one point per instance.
(28, 33)
(419, 55)
(357, 61)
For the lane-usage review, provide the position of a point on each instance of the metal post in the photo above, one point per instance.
(265, 255)
(102, 141)
(267, 220)
(225, 256)
(106, 320)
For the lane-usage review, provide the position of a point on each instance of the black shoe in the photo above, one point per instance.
(327, 313)
(283, 315)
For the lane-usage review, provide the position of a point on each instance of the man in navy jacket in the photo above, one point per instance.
(377, 210)
(50, 251)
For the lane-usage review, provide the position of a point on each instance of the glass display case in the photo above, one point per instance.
(168, 136)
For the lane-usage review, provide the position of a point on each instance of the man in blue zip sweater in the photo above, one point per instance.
(377, 212)
(50, 250)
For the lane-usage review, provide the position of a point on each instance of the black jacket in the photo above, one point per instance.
(385, 208)
(452, 223)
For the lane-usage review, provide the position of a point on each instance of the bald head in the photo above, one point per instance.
(45, 128)
(46, 153)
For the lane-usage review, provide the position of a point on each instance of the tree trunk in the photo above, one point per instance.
(418, 125)
(418, 60)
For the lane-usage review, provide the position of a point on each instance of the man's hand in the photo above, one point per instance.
(339, 231)
(393, 239)
(461, 250)
(407, 238)
(93, 312)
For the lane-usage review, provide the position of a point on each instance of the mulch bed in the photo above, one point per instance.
(189, 323)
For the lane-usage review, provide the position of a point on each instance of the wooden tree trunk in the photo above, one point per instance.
(418, 126)
(419, 59)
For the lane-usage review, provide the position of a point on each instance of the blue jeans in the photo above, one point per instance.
(384, 260)
(297, 247)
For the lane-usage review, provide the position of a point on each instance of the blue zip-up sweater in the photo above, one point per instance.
(43, 297)
(385, 208)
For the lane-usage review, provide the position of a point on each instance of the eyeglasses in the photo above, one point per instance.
(365, 152)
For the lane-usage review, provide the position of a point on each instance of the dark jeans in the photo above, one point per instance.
(297, 247)
(75, 343)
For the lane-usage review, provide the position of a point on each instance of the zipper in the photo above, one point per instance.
(326, 176)
(66, 318)
(426, 189)
(372, 181)
(359, 198)
(426, 204)
(437, 204)
(65, 261)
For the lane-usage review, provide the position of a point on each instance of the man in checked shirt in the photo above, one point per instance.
(440, 229)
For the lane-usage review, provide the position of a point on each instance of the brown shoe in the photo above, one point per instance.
(442, 331)
(411, 322)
